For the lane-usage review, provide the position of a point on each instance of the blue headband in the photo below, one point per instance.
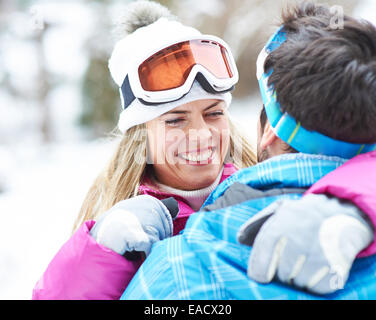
(286, 127)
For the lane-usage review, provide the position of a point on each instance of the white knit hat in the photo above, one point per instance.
(149, 39)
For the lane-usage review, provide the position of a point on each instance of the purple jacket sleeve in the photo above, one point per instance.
(85, 270)
(354, 181)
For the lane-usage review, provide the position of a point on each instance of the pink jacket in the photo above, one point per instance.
(84, 270)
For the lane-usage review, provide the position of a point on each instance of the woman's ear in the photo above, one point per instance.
(268, 137)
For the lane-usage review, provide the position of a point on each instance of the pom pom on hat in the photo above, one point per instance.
(140, 14)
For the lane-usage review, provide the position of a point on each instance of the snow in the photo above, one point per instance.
(46, 186)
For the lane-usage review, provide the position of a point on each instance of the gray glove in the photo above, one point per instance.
(135, 224)
(310, 243)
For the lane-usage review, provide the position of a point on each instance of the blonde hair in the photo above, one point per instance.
(122, 177)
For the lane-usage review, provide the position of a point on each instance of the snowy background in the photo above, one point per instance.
(48, 159)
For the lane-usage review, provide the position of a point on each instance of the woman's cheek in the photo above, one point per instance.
(174, 144)
(221, 138)
(225, 142)
(155, 144)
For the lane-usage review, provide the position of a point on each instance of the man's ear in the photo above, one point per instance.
(268, 137)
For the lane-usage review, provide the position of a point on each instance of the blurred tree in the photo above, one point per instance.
(43, 86)
(37, 91)
(101, 103)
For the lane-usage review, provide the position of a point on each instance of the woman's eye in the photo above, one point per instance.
(173, 121)
(215, 114)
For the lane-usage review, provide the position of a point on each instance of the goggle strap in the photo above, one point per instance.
(126, 91)
(147, 103)
(207, 86)
(204, 83)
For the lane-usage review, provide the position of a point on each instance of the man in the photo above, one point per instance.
(318, 86)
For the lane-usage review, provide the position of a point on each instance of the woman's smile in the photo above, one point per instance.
(198, 157)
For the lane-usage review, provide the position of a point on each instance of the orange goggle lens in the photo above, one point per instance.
(169, 68)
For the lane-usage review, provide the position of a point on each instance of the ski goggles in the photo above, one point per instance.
(286, 127)
(168, 74)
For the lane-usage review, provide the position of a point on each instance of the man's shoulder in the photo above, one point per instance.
(239, 192)
(294, 170)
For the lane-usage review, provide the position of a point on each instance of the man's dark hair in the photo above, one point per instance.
(324, 77)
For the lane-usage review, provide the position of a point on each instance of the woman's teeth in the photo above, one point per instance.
(197, 157)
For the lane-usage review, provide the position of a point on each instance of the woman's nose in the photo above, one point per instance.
(200, 133)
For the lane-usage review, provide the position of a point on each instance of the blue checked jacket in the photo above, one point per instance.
(206, 262)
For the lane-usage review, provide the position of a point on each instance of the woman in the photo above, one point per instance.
(177, 141)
